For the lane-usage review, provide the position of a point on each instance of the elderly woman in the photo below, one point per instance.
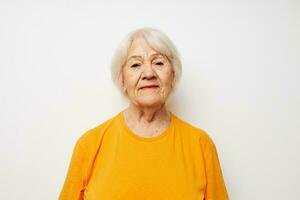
(145, 151)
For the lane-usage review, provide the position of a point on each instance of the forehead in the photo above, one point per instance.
(140, 47)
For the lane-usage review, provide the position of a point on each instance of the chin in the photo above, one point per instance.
(150, 101)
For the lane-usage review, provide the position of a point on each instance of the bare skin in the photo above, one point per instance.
(146, 114)
(146, 123)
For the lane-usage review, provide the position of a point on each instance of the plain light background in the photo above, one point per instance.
(240, 83)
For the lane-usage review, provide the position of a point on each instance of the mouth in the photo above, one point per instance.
(149, 87)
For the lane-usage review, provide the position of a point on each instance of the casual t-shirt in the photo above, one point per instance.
(111, 162)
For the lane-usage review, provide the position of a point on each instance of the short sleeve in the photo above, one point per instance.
(215, 187)
(75, 179)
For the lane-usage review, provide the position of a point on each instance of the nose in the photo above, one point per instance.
(148, 72)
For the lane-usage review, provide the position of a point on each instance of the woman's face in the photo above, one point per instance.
(147, 67)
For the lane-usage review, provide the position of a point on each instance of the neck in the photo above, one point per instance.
(146, 114)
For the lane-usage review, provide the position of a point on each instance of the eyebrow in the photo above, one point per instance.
(137, 56)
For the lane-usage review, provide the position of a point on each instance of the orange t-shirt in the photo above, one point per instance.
(110, 162)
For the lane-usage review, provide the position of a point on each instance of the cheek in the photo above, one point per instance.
(167, 78)
(130, 79)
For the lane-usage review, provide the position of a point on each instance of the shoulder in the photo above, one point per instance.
(94, 135)
(195, 132)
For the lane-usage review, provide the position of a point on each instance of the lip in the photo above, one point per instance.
(149, 87)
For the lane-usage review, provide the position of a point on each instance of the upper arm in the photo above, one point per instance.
(75, 179)
(215, 187)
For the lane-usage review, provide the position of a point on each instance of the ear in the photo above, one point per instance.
(173, 79)
(121, 80)
(123, 86)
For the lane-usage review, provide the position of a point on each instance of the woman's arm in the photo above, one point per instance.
(81, 165)
(73, 187)
(215, 187)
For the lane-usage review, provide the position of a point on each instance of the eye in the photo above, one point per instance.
(135, 65)
(159, 63)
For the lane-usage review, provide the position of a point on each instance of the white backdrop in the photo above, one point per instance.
(240, 69)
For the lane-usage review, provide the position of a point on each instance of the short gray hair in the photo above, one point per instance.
(158, 41)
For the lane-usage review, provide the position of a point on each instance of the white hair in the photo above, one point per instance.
(158, 41)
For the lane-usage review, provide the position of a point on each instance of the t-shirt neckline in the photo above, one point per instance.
(129, 132)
